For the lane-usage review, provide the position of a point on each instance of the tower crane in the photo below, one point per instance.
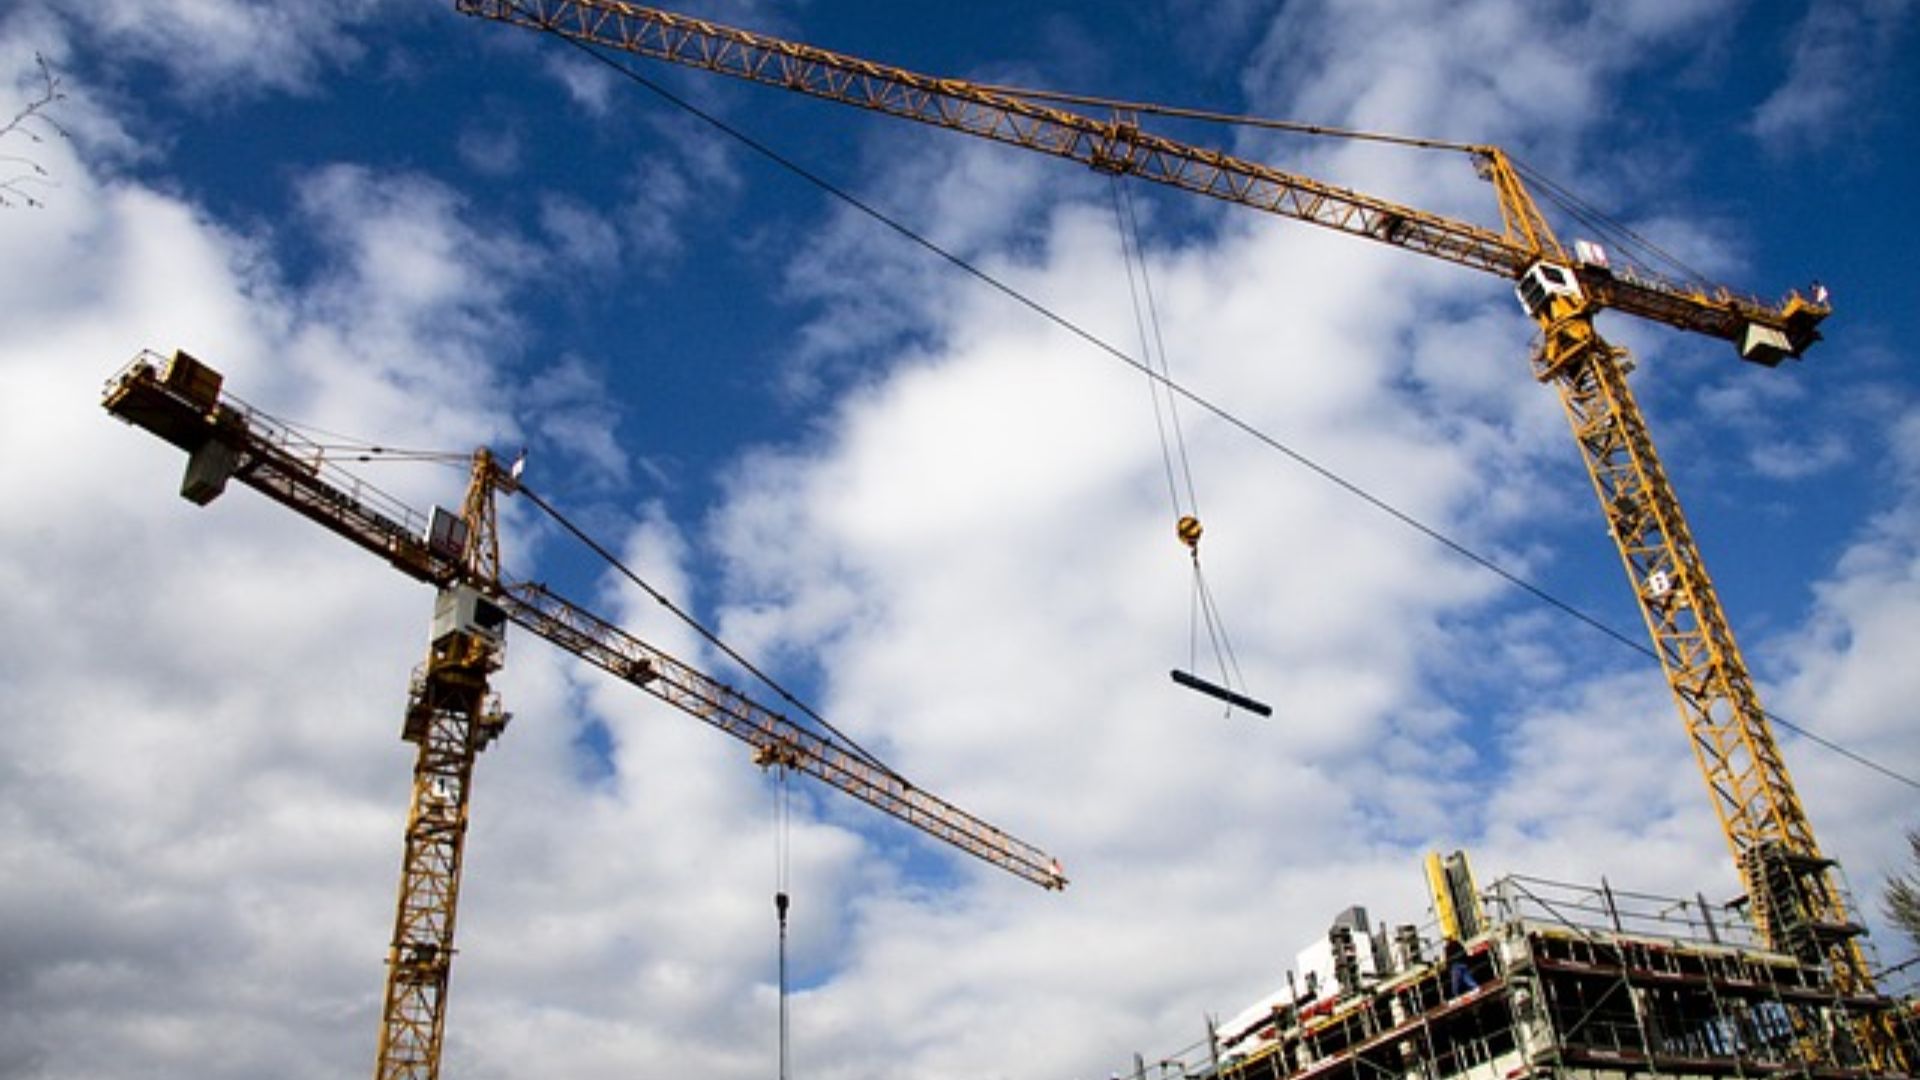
(451, 713)
(1794, 895)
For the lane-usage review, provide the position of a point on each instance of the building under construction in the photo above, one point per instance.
(1555, 980)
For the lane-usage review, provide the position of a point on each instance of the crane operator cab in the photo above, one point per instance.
(1542, 284)
(464, 609)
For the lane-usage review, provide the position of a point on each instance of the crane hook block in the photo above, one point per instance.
(1188, 530)
(1240, 701)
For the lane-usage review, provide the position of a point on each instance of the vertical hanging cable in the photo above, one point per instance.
(782, 868)
(1146, 318)
(1181, 491)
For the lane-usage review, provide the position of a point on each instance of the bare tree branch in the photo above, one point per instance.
(1902, 896)
(19, 175)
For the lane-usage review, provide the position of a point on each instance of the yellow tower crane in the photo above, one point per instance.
(1795, 897)
(451, 713)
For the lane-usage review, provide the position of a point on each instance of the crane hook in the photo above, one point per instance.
(1188, 529)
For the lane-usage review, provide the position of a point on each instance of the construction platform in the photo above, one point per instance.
(1560, 981)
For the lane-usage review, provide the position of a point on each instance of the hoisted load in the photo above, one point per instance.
(1179, 471)
(1188, 530)
(1237, 700)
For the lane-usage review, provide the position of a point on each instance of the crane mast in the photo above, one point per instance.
(1795, 898)
(1796, 902)
(452, 714)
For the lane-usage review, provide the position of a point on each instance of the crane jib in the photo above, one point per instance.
(1117, 144)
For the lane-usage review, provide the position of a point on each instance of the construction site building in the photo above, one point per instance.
(1559, 981)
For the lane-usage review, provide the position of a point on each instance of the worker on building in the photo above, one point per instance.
(1460, 978)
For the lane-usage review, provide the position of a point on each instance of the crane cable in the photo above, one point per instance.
(782, 871)
(1159, 373)
(1625, 239)
(1203, 610)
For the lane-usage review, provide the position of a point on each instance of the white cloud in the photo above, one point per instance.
(967, 200)
(203, 790)
(580, 234)
(227, 48)
(1507, 82)
(983, 557)
(1851, 682)
(974, 557)
(979, 552)
(569, 405)
(494, 151)
(591, 85)
(1841, 53)
(682, 175)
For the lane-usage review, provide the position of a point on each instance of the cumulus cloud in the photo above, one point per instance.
(230, 48)
(204, 792)
(1840, 56)
(153, 794)
(1508, 83)
(1007, 460)
(968, 558)
(1849, 681)
(493, 151)
(588, 84)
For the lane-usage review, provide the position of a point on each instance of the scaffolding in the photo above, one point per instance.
(1585, 983)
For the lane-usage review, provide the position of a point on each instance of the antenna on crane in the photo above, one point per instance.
(1179, 470)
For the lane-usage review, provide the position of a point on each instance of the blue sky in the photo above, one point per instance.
(938, 515)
